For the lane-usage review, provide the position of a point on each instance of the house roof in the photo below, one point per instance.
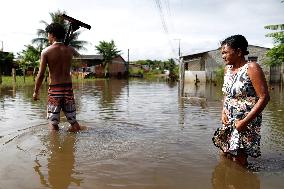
(95, 57)
(119, 57)
(259, 47)
(196, 55)
(90, 57)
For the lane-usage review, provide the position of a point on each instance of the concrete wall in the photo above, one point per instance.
(190, 76)
(191, 90)
(276, 74)
(260, 53)
(212, 60)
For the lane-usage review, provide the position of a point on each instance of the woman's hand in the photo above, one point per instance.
(240, 125)
(225, 119)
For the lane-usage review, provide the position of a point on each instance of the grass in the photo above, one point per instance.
(29, 80)
(9, 81)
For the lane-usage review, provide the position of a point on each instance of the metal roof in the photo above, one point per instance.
(90, 57)
(201, 53)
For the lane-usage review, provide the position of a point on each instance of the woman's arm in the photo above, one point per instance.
(257, 78)
(224, 116)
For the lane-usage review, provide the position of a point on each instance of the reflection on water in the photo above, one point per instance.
(139, 135)
(61, 161)
(228, 175)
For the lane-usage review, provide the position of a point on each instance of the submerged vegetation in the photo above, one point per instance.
(219, 75)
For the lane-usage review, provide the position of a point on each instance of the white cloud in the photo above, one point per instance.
(137, 24)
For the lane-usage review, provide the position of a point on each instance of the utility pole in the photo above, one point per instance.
(179, 53)
(2, 49)
(1, 61)
(181, 71)
(127, 67)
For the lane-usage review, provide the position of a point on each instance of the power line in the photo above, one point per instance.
(167, 3)
(160, 9)
(163, 21)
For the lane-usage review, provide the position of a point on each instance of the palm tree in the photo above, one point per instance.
(42, 40)
(109, 51)
(279, 28)
(276, 53)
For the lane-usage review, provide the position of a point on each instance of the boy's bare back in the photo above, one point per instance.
(58, 58)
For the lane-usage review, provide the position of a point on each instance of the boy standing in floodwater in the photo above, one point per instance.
(58, 58)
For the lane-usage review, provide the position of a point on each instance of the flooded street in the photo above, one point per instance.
(138, 134)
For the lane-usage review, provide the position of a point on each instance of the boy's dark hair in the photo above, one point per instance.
(237, 42)
(56, 29)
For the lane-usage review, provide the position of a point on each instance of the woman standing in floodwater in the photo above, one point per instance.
(245, 96)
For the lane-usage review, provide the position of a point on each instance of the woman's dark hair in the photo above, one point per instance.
(57, 30)
(237, 42)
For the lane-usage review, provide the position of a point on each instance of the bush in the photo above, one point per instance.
(219, 73)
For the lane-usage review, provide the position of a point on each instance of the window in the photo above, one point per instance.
(186, 66)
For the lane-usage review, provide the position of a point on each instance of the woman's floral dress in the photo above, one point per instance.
(240, 98)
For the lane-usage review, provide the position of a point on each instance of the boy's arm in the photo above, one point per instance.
(40, 75)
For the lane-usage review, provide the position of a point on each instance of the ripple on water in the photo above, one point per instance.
(134, 137)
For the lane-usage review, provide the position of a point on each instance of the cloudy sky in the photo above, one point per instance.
(150, 29)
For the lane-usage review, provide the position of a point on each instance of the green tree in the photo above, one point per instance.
(109, 51)
(276, 54)
(173, 69)
(150, 63)
(5, 58)
(29, 58)
(42, 40)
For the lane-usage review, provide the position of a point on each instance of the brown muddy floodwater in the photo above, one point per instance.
(139, 135)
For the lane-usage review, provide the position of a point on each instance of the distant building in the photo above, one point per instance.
(94, 64)
(201, 67)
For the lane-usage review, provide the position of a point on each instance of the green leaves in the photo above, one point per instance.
(108, 50)
(275, 27)
(29, 57)
(42, 39)
(276, 54)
